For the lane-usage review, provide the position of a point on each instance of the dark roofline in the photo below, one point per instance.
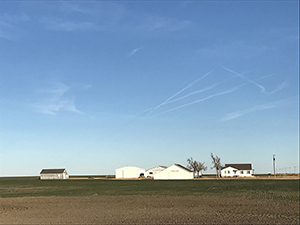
(163, 166)
(44, 171)
(181, 166)
(239, 166)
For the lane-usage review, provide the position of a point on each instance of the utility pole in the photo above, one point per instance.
(274, 165)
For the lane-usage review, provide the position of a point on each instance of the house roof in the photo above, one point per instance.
(239, 166)
(183, 167)
(44, 171)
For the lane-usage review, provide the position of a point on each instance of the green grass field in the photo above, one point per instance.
(281, 190)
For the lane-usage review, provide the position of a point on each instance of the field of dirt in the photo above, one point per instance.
(146, 210)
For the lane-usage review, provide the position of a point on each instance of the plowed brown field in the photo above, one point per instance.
(146, 210)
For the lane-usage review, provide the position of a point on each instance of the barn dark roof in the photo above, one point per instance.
(52, 171)
(164, 167)
(183, 167)
(241, 166)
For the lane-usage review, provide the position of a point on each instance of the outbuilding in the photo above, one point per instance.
(129, 172)
(154, 170)
(174, 172)
(54, 174)
(237, 170)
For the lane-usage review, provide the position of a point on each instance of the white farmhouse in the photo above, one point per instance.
(154, 170)
(174, 172)
(129, 172)
(54, 174)
(237, 170)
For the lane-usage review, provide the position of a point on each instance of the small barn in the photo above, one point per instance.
(154, 170)
(174, 172)
(54, 174)
(130, 172)
(237, 170)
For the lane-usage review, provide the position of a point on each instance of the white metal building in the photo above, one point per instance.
(237, 170)
(154, 170)
(174, 172)
(54, 174)
(129, 172)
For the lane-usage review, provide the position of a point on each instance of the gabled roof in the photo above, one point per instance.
(156, 167)
(130, 167)
(44, 171)
(183, 167)
(239, 166)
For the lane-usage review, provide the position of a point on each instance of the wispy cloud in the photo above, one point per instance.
(67, 25)
(233, 50)
(11, 25)
(271, 105)
(8, 31)
(108, 16)
(134, 51)
(155, 22)
(55, 99)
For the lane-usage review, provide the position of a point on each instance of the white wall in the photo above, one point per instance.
(229, 172)
(174, 173)
(47, 176)
(245, 173)
(154, 170)
(129, 172)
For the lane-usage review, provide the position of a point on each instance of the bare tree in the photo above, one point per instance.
(200, 167)
(216, 161)
(195, 166)
(192, 165)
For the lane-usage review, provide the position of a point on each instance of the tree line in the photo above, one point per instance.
(198, 167)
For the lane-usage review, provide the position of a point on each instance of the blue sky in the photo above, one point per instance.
(92, 86)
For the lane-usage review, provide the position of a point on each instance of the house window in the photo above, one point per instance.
(242, 172)
(248, 171)
(234, 171)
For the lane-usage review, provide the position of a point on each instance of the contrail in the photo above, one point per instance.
(275, 104)
(201, 100)
(134, 51)
(245, 78)
(192, 93)
(177, 93)
(204, 89)
(280, 87)
(168, 101)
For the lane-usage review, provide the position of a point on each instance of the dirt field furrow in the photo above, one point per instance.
(146, 210)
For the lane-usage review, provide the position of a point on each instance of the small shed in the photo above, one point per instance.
(54, 174)
(174, 172)
(129, 172)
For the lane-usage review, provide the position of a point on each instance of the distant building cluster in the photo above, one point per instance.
(173, 172)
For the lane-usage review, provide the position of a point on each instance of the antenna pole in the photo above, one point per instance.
(274, 165)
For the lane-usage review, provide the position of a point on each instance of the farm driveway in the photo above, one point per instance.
(146, 210)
